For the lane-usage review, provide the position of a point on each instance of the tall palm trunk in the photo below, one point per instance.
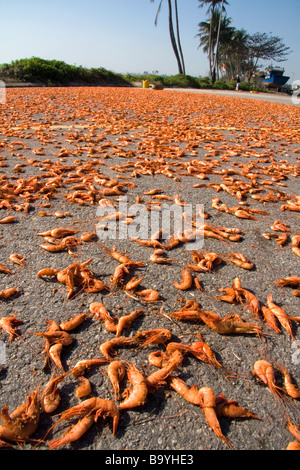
(178, 37)
(218, 41)
(175, 45)
(173, 39)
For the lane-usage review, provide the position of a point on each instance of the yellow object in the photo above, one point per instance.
(145, 83)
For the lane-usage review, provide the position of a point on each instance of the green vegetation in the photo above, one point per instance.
(51, 73)
(57, 73)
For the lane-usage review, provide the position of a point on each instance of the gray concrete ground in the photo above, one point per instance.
(80, 120)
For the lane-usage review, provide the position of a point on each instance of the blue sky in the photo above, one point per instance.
(120, 35)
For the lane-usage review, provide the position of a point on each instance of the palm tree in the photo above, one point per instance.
(213, 35)
(212, 5)
(176, 43)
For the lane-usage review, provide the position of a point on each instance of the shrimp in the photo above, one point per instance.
(157, 257)
(203, 352)
(54, 337)
(108, 347)
(4, 269)
(281, 315)
(6, 324)
(54, 354)
(230, 324)
(126, 320)
(50, 396)
(293, 429)
(84, 388)
(91, 409)
(74, 322)
(265, 372)
(155, 336)
(230, 295)
(10, 292)
(8, 219)
(295, 445)
(208, 405)
(82, 366)
(17, 259)
(203, 397)
(253, 302)
(100, 311)
(158, 378)
(270, 319)
(47, 272)
(136, 394)
(121, 257)
(148, 295)
(116, 372)
(190, 394)
(293, 281)
(230, 409)
(240, 260)
(187, 280)
(74, 433)
(292, 390)
(23, 421)
(119, 274)
(133, 283)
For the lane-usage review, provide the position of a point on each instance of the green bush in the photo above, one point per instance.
(204, 82)
(57, 72)
(244, 86)
(220, 85)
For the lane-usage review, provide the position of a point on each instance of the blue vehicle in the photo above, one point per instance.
(274, 78)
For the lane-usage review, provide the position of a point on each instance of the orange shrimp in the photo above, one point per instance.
(108, 347)
(148, 295)
(6, 324)
(4, 269)
(82, 366)
(91, 409)
(230, 409)
(240, 260)
(84, 387)
(10, 292)
(208, 405)
(270, 319)
(136, 394)
(281, 315)
(291, 389)
(17, 259)
(74, 322)
(155, 336)
(265, 372)
(187, 280)
(190, 394)
(23, 421)
(100, 311)
(158, 378)
(47, 272)
(74, 433)
(116, 372)
(157, 257)
(50, 396)
(126, 320)
(8, 219)
(55, 353)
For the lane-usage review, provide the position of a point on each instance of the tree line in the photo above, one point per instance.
(231, 52)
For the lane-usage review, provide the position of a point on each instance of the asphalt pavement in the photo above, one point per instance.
(63, 136)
